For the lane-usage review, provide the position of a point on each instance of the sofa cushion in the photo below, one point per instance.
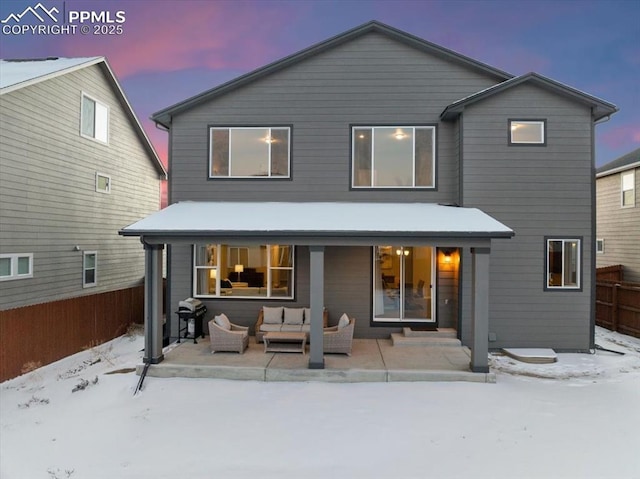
(272, 315)
(307, 315)
(267, 328)
(306, 328)
(344, 321)
(222, 321)
(291, 327)
(293, 315)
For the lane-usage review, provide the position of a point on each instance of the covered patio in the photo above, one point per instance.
(317, 226)
(372, 360)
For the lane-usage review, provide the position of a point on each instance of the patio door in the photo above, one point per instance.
(403, 286)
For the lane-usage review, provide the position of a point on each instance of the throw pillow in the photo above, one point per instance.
(293, 315)
(307, 315)
(222, 321)
(272, 315)
(344, 321)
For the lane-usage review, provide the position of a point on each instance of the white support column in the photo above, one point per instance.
(480, 310)
(316, 292)
(153, 304)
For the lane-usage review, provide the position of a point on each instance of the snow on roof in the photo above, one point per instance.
(188, 217)
(14, 73)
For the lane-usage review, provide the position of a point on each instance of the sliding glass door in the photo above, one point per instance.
(403, 286)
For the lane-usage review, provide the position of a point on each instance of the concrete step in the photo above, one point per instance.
(398, 339)
(438, 333)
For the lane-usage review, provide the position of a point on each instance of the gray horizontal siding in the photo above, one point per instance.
(538, 192)
(619, 227)
(49, 203)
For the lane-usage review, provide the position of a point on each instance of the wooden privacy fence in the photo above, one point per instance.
(37, 335)
(618, 307)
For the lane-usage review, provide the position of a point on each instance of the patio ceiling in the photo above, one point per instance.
(306, 223)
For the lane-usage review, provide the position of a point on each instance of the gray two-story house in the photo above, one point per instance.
(384, 176)
(75, 164)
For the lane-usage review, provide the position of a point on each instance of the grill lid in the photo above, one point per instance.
(190, 304)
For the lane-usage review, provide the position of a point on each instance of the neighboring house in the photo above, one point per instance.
(75, 164)
(390, 178)
(618, 215)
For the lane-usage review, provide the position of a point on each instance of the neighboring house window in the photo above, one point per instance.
(628, 180)
(263, 271)
(563, 263)
(527, 132)
(393, 156)
(600, 246)
(249, 152)
(94, 119)
(16, 266)
(89, 269)
(103, 183)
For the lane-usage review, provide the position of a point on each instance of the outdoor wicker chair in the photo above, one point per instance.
(338, 339)
(234, 338)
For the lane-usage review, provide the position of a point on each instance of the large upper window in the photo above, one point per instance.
(628, 180)
(245, 271)
(393, 156)
(94, 119)
(249, 152)
(527, 132)
(16, 266)
(563, 263)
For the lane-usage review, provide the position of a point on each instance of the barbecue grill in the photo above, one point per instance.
(191, 311)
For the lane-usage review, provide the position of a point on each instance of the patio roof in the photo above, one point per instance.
(191, 219)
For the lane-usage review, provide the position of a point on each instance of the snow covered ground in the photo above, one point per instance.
(577, 418)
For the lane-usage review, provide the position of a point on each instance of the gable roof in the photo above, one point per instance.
(600, 107)
(17, 74)
(626, 162)
(163, 117)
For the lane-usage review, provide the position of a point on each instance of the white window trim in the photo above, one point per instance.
(578, 285)
(631, 173)
(268, 176)
(14, 266)
(97, 102)
(270, 268)
(528, 122)
(413, 159)
(95, 268)
(600, 246)
(108, 177)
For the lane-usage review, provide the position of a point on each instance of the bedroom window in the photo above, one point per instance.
(94, 119)
(563, 264)
(243, 271)
(628, 183)
(527, 132)
(16, 266)
(249, 152)
(89, 269)
(393, 156)
(103, 183)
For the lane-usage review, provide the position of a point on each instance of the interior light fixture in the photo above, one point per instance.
(399, 134)
(447, 257)
(239, 268)
(402, 251)
(213, 273)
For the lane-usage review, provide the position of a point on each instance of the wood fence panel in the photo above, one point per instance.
(618, 307)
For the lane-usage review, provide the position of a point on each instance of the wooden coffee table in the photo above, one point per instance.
(285, 342)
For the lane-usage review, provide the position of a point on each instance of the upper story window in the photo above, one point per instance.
(16, 266)
(628, 182)
(94, 119)
(563, 264)
(393, 156)
(249, 152)
(243, 271)
(527, 132)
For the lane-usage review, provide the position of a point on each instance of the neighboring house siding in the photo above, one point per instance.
(538, 191)
(372, 80)
(49, 199)
(618, 226)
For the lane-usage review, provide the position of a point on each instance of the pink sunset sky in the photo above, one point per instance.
(170, 50)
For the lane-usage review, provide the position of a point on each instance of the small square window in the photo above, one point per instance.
(600, 246)
(103, 183)
(527, 132)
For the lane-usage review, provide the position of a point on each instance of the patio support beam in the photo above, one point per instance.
(480, 310)
(153, 303)
(316, 293)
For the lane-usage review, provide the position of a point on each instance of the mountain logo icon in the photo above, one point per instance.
(39, 11)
